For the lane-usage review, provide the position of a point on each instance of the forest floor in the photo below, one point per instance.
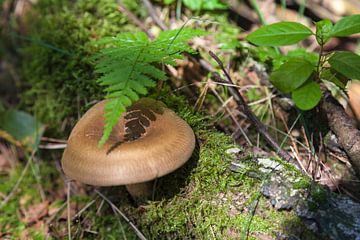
(235, 186)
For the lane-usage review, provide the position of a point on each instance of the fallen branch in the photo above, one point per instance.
(154, 16)
(134, 19)
(344, 128)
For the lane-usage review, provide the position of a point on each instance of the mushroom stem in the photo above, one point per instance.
(141, 190)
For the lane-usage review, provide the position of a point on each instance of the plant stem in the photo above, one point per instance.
(320, 63)
(256, 7)
(302, 8)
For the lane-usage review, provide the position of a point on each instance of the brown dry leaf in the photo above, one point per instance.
(53, 209)
(4, 163)
(35, 212)
(73, 210)
(262, 236)
(8, 158)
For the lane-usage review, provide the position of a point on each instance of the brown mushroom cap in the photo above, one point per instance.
(149, 141)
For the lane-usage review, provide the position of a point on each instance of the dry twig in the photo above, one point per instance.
(245, 108)
(127, 220)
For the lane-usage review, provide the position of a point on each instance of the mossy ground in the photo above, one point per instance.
(202, 200)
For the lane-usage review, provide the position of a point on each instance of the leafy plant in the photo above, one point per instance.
(300, 73)
(129, 67)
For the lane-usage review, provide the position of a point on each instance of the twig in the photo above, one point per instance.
(233, 118)
(127, 220)
(242, 105)
(68, 209)
(246, 232)
(133, 18)
(256, 7)
(83, 209)
(53, 146)
(49, 220)
(153, 15)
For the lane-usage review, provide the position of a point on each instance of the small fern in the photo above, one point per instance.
(129, 69)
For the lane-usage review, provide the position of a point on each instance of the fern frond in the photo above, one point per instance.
(128, 67)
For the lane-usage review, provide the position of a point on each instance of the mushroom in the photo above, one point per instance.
(149, 141)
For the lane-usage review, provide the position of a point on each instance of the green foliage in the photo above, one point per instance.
(346, 63)
(59, 79)
(346, 26)
(301, 73)
(20, 126)
(307, 96)
(279, 34)
(204, 5)
(277, 59)
(335, 77)
(12, 224)
(323, 31)
(129, 69)
(292, 74)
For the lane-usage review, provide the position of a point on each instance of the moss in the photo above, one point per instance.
(11, 218)
(58, 74)
(302, 183)
(215, 202)
(202, 200)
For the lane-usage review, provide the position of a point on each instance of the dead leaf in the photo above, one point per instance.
(8, 158)
(35, 212)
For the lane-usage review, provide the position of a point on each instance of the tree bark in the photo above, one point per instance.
(344, 128)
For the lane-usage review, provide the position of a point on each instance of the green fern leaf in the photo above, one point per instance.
(128, 67)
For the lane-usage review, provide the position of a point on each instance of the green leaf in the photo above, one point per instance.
(21, 126)
(279, 34)
(307, 96)
(291, 74)
(346, 26)
(346, 63)
(323, 31)
(302, 53)
(130, 67)
(335, 77)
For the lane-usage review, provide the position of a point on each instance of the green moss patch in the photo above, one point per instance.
(59, 76)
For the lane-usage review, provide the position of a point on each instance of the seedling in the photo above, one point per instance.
(300, 73)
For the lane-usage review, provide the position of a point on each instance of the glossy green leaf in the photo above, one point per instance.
(346, 63)
(279, 34)
(335, 77)
(21, 126)
(323, 31)
(302, 53)
(346, 26)
(307, 96)
(291, 75)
